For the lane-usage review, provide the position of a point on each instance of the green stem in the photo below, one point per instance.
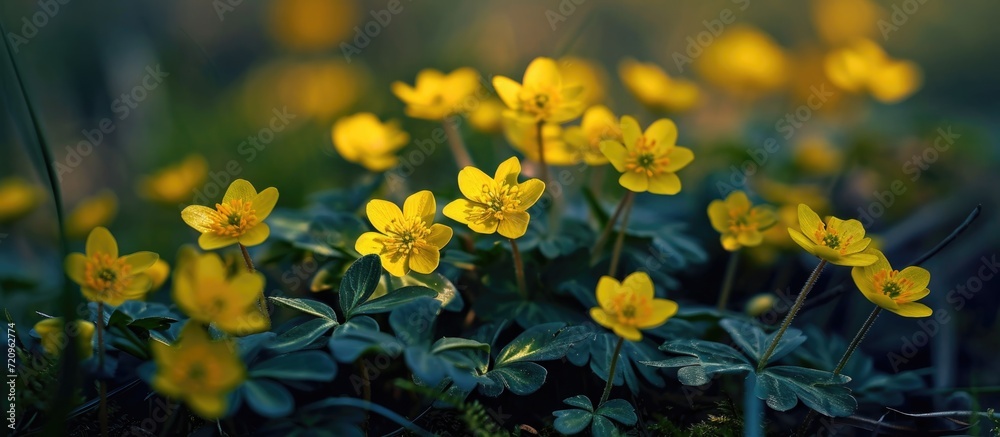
(616, 253)
(261, 302)
(727, 282)
(102, 385)
(791, 313)
(606, 232)
(522, 284)
(857, 340)
(541, 152)
(458, 150)
(611, 372)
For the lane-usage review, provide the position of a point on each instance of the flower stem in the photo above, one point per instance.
(727, 282)
(102, 385)
(606, 232)
(246, 257)
(611, 372)
(261, 302)
(791, 313)
(522, 285)
(616, 253)
(541, 152)
(458, 149)
(857, 340)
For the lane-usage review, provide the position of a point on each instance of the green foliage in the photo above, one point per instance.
(599, 351)
(601, 421)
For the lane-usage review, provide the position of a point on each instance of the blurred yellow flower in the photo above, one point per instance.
(436, 95)
(837, 241)
(760, 304)
(316, 89)
(408, 239)
(18, 197)
(176, 183)
(630, 305)
(523, 137)
(90, 213)
(105, 277)
(208, 293)
(817, 155)
(361, 138)
(497, 204)
(740, 223)
(648, 160)
(238, 219)
(864, 67)
(586, 74)
(52, 332)
(487, 116)
(157, 273)
(598, 124)
(894, 290)
(655, 89)
(543, 96)
(197, 370)
(744, 61)
(312, 25)
(841, 21)
(778, 193)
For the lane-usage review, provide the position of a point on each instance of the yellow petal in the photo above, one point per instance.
(472, 181)
(738, 201)
(439, 237)
(246, 287)
(634, 181)
(208, 406)
(750, 238)
(75, 265)
(857, 259)
(607, 288)
(802, 240)
(381, 213)
(508, 90)
(396, 264)
(912, 309)
(264, 202)
(458, 210)
(916, 295)
(663, 131)
(514, 224)
(616, 154)
(199, 217)
(421, 204)
(664, 183)
(424, 260)
(212, 241)
(601, 317)
(630, 131)
(627, 332)
(542, 73)
(858, 245)
(730, 242)
(255, 235)
(240, 189)
(639, 284)
(919, 277)
(679, 157)
(718, 215)
(881, 300)
(140, 261)
(100, 240)
(507, 172)
(895, 81)
(663, 310)
(530, 191)
(809, 222)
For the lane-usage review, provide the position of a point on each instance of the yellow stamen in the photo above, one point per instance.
(107, 275)
(405, 234)
(234, 218)
(498, 201)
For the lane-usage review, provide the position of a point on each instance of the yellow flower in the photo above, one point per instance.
(740, 223)
(363, 139)
(648, 160)
(523, 137)
(630, 305)
(598, 124)
(104, 276)
(655, 89)
(91, 213)
(238, 219)
(497, 204)
(589, 75)
(176, 183)
(318, 89)
(818, 155)
(760, 304)
(487, 117)
(864, 66)
(205, 291)
(436, 95)
(841, 21)
(18, 197)
(198, 370)
(312, 25)
(53, 336)
(837, 241)
(408, 239)
(744, 61)
(543, 96)
(158, 273)
(895, 290)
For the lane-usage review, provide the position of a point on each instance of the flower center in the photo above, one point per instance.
(405, 234)
(107, 275)
(498, 201)
(888, 282)
(830, 237)
(630, 308)
(540, 103)
(234, 218)
(740, 221)
(645, 158)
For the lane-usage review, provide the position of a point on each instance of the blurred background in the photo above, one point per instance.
(884, 111)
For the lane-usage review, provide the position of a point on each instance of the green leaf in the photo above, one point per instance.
(392, 300)
(446, 291)
(602, 427)
(316, 308)
(451, 343)
(521, 378)
(153, 323)
(619, 410)
(336, 404)
(572, 421)
(701, 360)
(301, 335)
(310, 365)
(427, 367)
(580, 401)
(755, 342)
(414, 322)
(783, 386)
(268, 398)
(359, 282)
(360, 335)
(544, 342)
